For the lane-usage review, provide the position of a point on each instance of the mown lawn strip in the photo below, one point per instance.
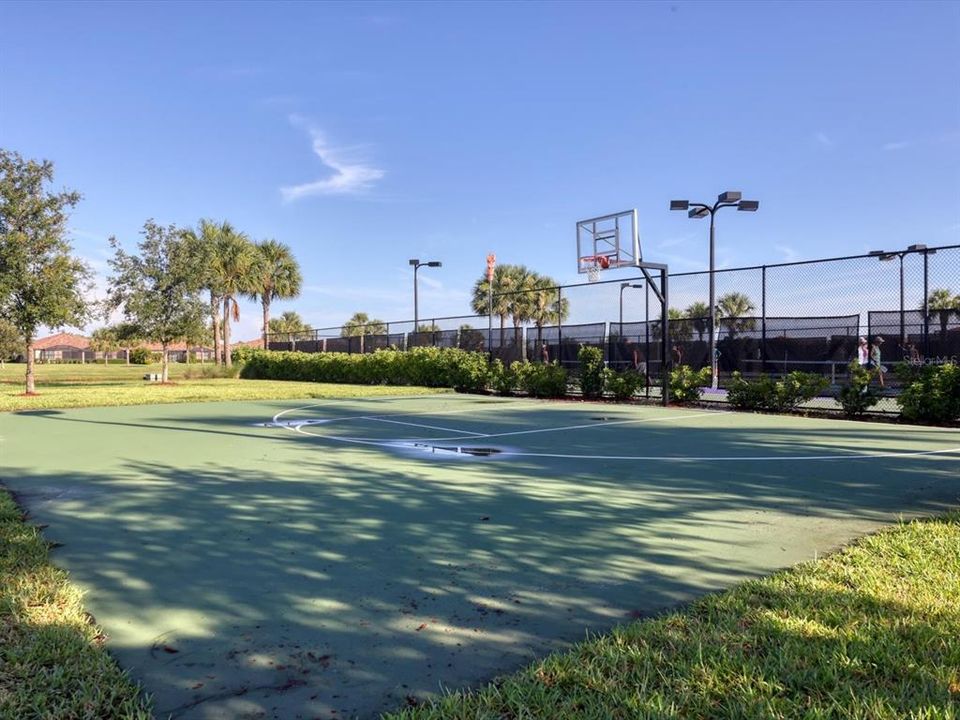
(872, 631)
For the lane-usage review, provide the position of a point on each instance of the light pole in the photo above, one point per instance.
(730, 198)
(624, 286)
(885, 256)
(415, 262)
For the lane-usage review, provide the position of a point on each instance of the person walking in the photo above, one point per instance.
(863, 353)
(875, 359)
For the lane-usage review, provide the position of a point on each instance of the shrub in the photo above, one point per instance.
(623, 385)
(541, 380)
(469, 371)
(502, 380)
(208, 372)
(686, 384)
(592, 373)
(931, 393)
(858, 396)
(429, 366)
(242, 353)
(140, 356)
(765, 393)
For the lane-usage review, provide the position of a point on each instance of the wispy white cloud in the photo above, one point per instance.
(823, 139)
(900, 145)
(351, 174)
(789, 254)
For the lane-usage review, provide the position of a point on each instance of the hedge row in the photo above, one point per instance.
(931, 393)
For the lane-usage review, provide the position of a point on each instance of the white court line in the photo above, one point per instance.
(428, 427)
(852, 455)
(403, 442)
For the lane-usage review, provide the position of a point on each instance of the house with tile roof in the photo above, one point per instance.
(69, 347)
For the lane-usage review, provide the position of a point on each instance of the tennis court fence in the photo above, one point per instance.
(771, 319)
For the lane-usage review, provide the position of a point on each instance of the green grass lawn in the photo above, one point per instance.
(52, 661)
(870, 632)
(71, 386)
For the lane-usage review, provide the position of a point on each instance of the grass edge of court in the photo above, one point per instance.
(708, 658)
(53, 659)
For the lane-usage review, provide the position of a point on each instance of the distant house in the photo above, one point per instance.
(63, 347)
(70, 347)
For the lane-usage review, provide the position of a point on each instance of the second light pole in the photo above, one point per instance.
(415, 262)
(730, 198)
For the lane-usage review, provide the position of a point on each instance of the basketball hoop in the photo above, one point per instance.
(593, 264)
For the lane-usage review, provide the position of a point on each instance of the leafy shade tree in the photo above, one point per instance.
(41, 283)
(733, 309)
(11, 344)
(276, 277)
(288, 322)
(471, 338)
(159, 289)
(699, 314)
(945, 304)
(428, 328)
(104, 340)
(361, 324)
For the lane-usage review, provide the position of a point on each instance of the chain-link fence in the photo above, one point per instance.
(770, 319)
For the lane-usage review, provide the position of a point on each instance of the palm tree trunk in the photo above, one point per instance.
(227, 360)
(215, 320)
(31, 388)
(266, 318)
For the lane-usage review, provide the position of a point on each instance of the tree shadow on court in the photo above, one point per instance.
(294, 577)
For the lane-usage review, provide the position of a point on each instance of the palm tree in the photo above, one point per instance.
(946, 304)
(519, 302)
(235, 275)
(699, 314)
(204, 244)
(104, 340)
(679, 325)
(361, 324)
(733, 309)
(288, 322)
(502, 283)
(546, 306)
(277, 277)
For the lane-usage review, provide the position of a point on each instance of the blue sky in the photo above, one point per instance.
(366, 134)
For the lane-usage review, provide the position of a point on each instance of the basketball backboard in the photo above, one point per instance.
(608, 242)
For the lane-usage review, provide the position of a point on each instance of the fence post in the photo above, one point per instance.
(560, 325)
(763, 320)
(666, 364)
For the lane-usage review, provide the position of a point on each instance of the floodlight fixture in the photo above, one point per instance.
(415, 261)
(877, 253)
(919, 247)
(434, 263)
(698, 211)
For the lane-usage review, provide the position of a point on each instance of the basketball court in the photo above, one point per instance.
(342, 558)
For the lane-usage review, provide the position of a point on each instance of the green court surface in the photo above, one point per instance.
(341, 558)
